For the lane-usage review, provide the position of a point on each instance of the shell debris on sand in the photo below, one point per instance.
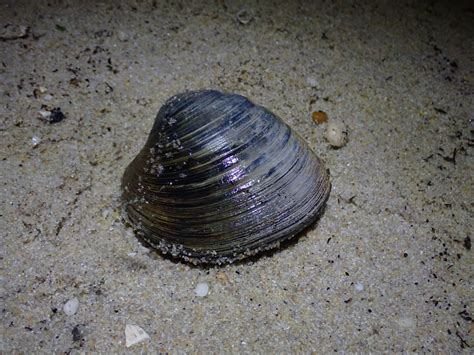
(35, 141)
(336, 135)
(202, 289)
(71, 306)
(134, 335)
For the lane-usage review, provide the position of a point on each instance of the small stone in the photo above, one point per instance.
(35, 140)
(51, 115)
(467, 243)
(359, 287)
(222, 277)
(134, 334)
(77, 333)
(48, 97)
(319, 117)
(71, 306)
(336, 135)
(45, 114)
(202, 289)
(39, 91)
(56, 115)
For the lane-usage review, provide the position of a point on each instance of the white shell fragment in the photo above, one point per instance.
(134, 334)
(35, 140)
(202, 289)
(71, 306)
(44, 114)
(336, 135)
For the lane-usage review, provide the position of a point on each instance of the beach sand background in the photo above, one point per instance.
(388, 267)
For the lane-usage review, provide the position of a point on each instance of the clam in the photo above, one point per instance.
(221, 178)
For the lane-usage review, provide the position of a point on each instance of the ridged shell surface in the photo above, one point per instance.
(221, 178)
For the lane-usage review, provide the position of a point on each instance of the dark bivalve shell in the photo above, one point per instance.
(221, 178)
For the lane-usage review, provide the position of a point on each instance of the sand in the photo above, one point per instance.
(388, 267)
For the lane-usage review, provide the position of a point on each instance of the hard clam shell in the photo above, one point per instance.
(221, 178)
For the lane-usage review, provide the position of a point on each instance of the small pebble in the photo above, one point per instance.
(335, 135)
(202, 289)
(319, 117)
(71, 306)
(134, 334)
(77, 334)
(48, 97)
(51, 115)
(39, 91)
(56, 115)
(359, 287)
(222, 277)
(35, 140)
(45, 114)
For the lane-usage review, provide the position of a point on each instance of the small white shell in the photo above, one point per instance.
(336, 134)
(134, 334)
(71, 306)
(202, 289)
(35, 140)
